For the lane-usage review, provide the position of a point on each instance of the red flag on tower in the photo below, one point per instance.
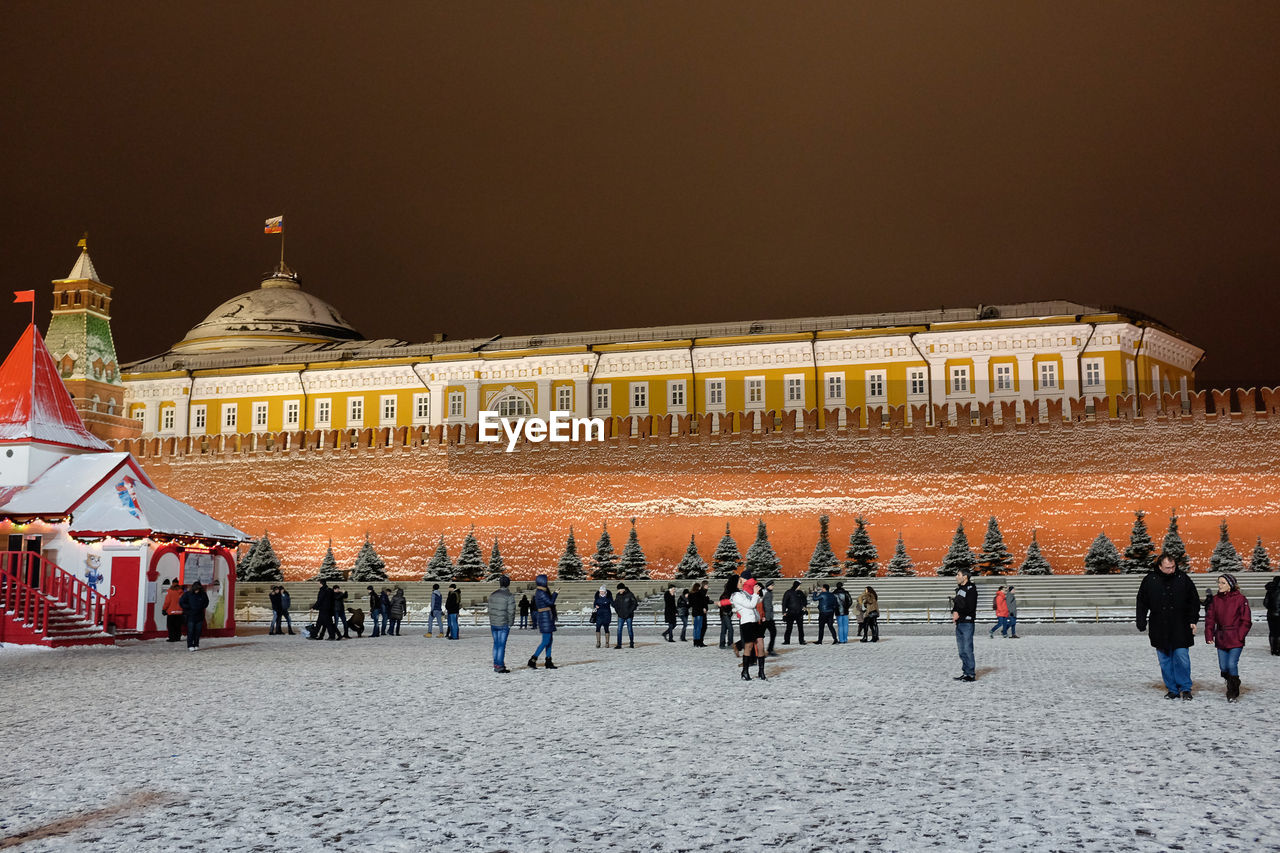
(275, 225)
(24, 296)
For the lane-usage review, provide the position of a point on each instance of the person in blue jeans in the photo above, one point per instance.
(842, 616)
(544, 616)
(625, 605)
(1168, 600)
(436, 616)
(502, 612)
(602, 613)
(452, 606)
(964, 610)
(376, 613)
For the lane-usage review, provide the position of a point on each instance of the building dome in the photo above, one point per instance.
(277, 314)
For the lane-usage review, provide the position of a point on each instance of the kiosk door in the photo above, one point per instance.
(123, 604)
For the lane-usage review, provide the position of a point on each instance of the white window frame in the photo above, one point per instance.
(230, 417)
(422, 407)
(753, 386)
(877, 386)
(168, 418)
(355, 412)
(457, 405)
(793, 396)
(387, 406)
(292, 414)
(960, 380)
(564, 398)
(715, 394)
(1004, 377)
(199, 417)
(324, 412)
(677, 396)
(835, 387)
(139, 413)
(261, 415)
(604, 399)
(1097, 367)
(639, 398)
(917, 375)
(1048, 370)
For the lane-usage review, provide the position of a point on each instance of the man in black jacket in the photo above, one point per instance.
(669, 613)
(964, 610)
(1168, 610)
(698, 607)
(1271, 601)
(324, 613)
(452, 607)
(625, 604)
(793, 606)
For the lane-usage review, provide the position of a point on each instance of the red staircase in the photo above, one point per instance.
(42, 604)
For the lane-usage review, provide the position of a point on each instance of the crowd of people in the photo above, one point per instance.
(183, 607)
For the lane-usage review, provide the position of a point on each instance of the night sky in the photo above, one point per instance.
(484, 168)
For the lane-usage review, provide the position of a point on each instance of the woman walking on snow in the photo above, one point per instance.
(543, 600)
(746, 606)
(602, 614)
(869, 603)
(1226, 623)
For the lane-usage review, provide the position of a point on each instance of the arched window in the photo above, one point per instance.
(514, 406)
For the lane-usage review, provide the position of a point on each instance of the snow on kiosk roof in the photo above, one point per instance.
(34, 404)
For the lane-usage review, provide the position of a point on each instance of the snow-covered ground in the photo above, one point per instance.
(275, 743)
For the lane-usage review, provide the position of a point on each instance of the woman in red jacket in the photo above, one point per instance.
(1226, 624)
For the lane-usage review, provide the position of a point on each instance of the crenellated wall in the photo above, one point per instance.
(1067, 475)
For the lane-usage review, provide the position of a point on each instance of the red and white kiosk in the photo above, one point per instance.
(88, 540)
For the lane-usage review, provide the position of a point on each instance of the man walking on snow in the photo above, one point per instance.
(964, 610)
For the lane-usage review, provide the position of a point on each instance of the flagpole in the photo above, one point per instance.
(282, 241)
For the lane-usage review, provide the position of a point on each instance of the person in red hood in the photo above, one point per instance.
(1226, 623)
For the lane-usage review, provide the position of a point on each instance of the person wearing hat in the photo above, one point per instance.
(602, 614)
(669, 613)
(1226, 623)
(625, 605)
(1169, 604)
(544, 602)
(502, 613)
(964, 610)
(746, 603)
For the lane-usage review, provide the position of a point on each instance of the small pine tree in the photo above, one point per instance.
(692, 566)
(263, 564)
(439, 567)
(470, 565)
(959, 555)
(727, 558)
(1258, 560)
(496, 568)
(1140, 556)
(761, 558)
(860, 559)
(1103, 557)
(329, 570)
(1225, 557)
(1035, 563)
(1173, 546)
(368, 566)
(633, 566)
(823, 563)
(995, 559)
(570, 566)
(242, 565)
(900, 565)
(604, 562)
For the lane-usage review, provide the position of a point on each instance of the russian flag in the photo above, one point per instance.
(275, 225)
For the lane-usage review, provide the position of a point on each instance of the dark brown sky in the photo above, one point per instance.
(509, 168)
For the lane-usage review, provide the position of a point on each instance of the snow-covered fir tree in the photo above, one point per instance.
(633, 566)
(496, 567)
(470, 565)
(692, 566)
(1173, 546)
(242, 565)
(1140, 556)
(1035, 563)
(570, 566)
(860, 559)
(823, 563)
(959, 555)
(1258, 560)
(1103, 557)
(604, 562)
(995, 558)
(727, 558)
(900, 565)
(329, 570)
(368, 566)
(1225, 556)
(440, 566)
(263, 564)
(761, 559)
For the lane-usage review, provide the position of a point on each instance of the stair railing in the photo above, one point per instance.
(26, 572)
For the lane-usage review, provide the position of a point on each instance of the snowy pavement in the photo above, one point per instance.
(258, 743)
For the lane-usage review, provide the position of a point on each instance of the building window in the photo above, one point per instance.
(456, 404)
(564, 399)
(229, 415)
(197, 417)
(421, 408)
(1048, 374)
(876, 385)
(167, 418)
(355, 412)
(388, 411)
(755, 392)
(1004, 377)
(602, 398)
(514, 406)
(259, 415)
(917, 380)
(292, 413)
(639, 396)
(715, 393)
(835, 387)
(675, 394)
(1093, 374)
(795, 390)
(959, 380)
(140, 413)
(324, 413)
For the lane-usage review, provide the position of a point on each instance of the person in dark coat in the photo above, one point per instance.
(1226, 623)
(845, 601)
(340, 611)
(669, 613)
(399, 607)
(726, 611)
(625, 605)
(964, 613)
(698, 604)
(324, 613)
(682, 610)
(602, 614)
(544, 601)
(274, 598)
(453, 606)
(524, 611)
(355, 621)
(1169, 604)
(376, 613)
(769, 624)
(1271, 601)
(793, 607)
(828, 606)
(193, 603)
(435, 616)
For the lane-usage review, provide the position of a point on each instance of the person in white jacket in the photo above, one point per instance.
(746, 606)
